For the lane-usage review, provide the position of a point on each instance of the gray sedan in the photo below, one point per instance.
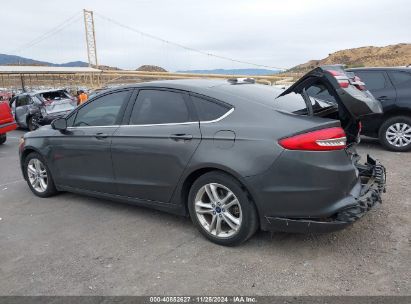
(233, 155)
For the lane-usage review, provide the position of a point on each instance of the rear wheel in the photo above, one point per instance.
(3, 138)
(38, 176)
(221, 209)
(395, 133)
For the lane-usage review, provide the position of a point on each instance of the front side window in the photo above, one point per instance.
(400, 78)
(103, 111)
(373, 80)
(23, 100)
(159, 107)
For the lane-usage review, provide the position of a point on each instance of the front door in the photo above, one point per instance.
(82, 153)
(21, 109)
(151, 152)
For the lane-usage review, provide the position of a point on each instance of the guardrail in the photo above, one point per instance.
(93, 80)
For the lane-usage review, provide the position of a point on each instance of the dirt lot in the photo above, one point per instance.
(71, 244)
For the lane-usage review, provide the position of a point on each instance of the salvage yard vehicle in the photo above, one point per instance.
(234, 155)
(392, 87)
(35, 109)
(7, 122)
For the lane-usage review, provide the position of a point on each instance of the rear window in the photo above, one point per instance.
(318, 94)
(55, 95)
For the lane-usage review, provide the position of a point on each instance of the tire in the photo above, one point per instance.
(30, 124)
(3, 138)
(32, 160)
(242, 217)
(400, 125)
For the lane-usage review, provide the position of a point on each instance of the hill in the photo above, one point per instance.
(18, 60)
(233, 71)
(151, 68)
(391, 55)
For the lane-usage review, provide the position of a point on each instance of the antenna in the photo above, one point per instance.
(90, 38)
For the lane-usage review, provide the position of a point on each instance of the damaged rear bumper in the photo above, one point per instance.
(373, 179)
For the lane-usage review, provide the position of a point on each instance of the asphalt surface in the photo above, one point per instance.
(76, 245)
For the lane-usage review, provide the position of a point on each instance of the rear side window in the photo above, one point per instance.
(159, 107)
(400, 78)
(373, 80)
(102, 111)
(208, 110)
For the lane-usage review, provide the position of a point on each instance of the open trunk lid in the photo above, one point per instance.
(350, 90)
(331, 92)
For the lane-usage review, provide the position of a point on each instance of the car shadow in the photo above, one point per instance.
(267, 241)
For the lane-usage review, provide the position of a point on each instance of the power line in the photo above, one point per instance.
(183, 46)
(55, 30)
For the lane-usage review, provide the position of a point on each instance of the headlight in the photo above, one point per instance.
(21, 141)
(43, 112)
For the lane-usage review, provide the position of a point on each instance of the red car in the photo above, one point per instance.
(7, 122)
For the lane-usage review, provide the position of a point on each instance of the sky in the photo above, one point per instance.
(272, 33)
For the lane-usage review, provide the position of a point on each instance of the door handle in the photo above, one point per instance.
(181, 136)
(100, 135)
(383, 98)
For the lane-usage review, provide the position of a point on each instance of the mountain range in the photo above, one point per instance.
(17, 60)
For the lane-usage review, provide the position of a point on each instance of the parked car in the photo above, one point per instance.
(32, 110)
(392, 87)
(7, 122)
(234, 155)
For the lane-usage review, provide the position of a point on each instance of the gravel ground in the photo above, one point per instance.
(75, 245)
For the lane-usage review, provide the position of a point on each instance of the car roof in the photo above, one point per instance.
(220, 89)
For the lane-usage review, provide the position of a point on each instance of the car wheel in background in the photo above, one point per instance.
(3, 138)
(395, 133)
(221, 209)
(31, 124)
(38, 176)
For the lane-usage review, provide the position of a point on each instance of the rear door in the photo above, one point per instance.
(402, 83)
(379, 85)
(21, 109)
(151, 151)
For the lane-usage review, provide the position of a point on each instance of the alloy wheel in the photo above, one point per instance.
(399, 134)
(37, 175)
(218, 210)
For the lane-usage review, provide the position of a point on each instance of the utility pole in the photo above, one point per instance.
(90, 38)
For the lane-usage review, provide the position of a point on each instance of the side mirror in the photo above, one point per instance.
(59, 124)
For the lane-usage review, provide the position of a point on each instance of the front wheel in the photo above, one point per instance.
(395, 133)
(221, 210)
(3, 138)
(32, 123)
(38, 176)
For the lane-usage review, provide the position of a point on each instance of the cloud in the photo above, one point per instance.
(273, 33)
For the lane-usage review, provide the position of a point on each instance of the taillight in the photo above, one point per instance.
(320, 140)
(341, 78)
(358, 83)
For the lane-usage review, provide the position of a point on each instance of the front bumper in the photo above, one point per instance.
(372, 178)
